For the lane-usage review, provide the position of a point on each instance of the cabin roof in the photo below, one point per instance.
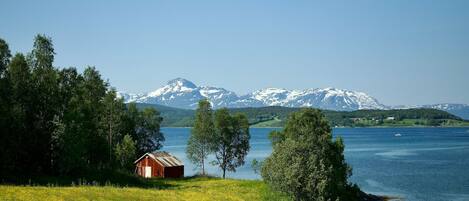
(163, 158)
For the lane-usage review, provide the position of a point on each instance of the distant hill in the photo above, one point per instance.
(460, 110)
(275, 116)
(172, 117)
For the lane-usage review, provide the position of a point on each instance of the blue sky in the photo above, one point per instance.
(399, 51)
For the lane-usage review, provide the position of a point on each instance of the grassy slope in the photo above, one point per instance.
(169, 189)
(275, 122)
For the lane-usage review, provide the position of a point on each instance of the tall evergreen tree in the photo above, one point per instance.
(69, 81)
(200, 143)
(45, 99)
(113, 114)
(18, 82)
(73, 125)
(231, 140)
(4, 101)
(94, 92)
(4, 56)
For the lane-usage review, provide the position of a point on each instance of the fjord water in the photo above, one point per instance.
(429, 164)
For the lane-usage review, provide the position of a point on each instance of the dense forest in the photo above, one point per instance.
(275, 116)
(58, 121)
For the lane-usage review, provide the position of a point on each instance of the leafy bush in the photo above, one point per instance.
(306, 163)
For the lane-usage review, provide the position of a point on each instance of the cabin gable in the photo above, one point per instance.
(159, 164)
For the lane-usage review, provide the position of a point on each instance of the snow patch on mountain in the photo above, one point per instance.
(128, 97)
(218, 97)
(271, 96)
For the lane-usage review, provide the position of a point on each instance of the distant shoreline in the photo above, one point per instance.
(354, 127)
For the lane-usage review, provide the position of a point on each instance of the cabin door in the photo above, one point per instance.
(147, 172)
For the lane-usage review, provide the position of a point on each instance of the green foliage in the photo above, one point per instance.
(231, 140)
(149, 135)
(365, 118)
(256, 166)
(125, 152)
(275, 116)
(4, 56)
(306, 163)
(114, 112)
(44, 97)
(200, 143)
(276, 137)
(15, 106)
(61, 122)
(43, 52)
(144, 127)
(5, 109)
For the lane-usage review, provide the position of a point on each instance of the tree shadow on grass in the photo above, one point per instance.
(91, 178)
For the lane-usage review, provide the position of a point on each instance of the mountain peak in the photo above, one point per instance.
(183, 93)
(181, 82)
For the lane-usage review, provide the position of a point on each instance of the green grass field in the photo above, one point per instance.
(276, 122)
(209, 189)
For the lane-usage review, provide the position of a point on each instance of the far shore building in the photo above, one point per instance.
(159, 164)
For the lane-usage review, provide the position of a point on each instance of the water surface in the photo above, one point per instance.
(429, 164)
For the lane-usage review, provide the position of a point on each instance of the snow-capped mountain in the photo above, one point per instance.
(185, 94)
(176, 93)
(328, 98)
(182, 93)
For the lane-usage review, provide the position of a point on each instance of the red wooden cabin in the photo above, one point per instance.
(159, 164)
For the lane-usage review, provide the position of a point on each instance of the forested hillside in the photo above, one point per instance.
(275, 116)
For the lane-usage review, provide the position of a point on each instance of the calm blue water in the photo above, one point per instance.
(429, 164)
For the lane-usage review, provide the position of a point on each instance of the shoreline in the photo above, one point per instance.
(353, 127)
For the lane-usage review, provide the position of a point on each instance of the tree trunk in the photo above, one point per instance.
(203, 166)
(110, 135)
(224, 169)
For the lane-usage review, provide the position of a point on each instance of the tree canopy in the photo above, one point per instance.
(306, 163)
(200, 143)
(57, 121)
(231, 140)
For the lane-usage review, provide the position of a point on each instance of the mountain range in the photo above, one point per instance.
(182, 93)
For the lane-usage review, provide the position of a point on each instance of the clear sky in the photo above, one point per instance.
(399, 51)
